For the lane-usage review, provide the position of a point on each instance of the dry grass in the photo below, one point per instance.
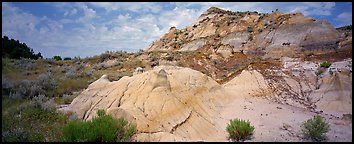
(70, 85)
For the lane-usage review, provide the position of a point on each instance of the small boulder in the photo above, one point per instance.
(138, 70)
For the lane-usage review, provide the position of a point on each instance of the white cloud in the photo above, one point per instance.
(72, 12)
(344, 18)
(16, 20)
(89, 13)
(313, 8)
(124, 17)
(43, 30)
(106, 5)
(129, 6)
(179, 17)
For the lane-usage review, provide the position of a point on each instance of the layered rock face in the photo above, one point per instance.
(273, 34)
(301, 84)
(167, 103)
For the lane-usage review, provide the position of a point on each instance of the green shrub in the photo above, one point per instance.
(325, 64)
(103, 128)
(25, 121)
(67, 58)
(315, 128)
(57, 58)
(239, 129)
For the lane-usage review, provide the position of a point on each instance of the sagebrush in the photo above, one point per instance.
(239, 129)
(315, 128)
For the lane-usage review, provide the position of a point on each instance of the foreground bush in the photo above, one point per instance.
(103, 128)
(239, 129)
(315, 128)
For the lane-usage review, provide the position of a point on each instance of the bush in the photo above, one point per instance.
(71, 73)
(103, 128)
(22, 89)
(89, 73)
(67, 99)
(23, 64)
(41, 101)
(315, 128)
(67, 58)
(105, 56)
(325, 64)
(28, 121)
(7, 85)
(44, 84)
(46, 81)
(239, 129)
(57, 58)
(100, 66)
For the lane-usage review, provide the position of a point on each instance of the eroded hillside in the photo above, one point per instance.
(271, 35)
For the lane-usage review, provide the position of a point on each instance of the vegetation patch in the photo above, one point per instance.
(103, 128)
(325, 64)
(315, 128)
(31, 120)
(239, 130)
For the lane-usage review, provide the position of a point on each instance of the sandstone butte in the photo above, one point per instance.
(167, 103)
(273, 34)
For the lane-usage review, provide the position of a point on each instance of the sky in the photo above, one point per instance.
(84, 29)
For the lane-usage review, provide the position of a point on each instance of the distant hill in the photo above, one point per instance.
(15, 50)
(348, 27)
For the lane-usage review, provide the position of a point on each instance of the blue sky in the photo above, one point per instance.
(85, 29)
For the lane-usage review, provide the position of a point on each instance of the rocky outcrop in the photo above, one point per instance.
(236, 40)
(167, 103)
(273, 34)
(193, 45)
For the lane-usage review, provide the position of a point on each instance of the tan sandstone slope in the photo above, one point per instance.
(167, 103)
